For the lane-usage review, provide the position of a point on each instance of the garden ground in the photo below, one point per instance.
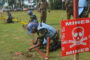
(13, 38)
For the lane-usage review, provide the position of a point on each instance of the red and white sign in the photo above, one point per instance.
(75, 36)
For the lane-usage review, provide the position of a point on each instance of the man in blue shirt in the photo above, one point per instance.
(43, 30)
(83, 8)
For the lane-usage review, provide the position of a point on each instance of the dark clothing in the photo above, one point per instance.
(41, 37)
(9, 19)
(83, 8)
(43, 16)
(69, 8)
(54, 42)
(84, 14)
(43, 6)
(33, 18)
(44, 31)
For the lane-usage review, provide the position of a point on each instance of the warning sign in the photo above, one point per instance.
(75, 36)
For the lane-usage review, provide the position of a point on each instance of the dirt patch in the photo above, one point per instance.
(26, 56)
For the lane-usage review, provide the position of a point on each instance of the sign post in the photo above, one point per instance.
(75, 36)
(76, 56)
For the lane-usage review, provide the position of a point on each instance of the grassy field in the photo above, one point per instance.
(13, 38)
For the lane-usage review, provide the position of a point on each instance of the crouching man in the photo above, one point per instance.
(9, 17)
(33, 18)
(43, 30)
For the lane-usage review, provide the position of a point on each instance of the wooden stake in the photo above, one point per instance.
(76, 56)
(32, 38)
(47, 51)
(75, 8)
(40, 52)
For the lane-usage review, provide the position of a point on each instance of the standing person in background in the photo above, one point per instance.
(83, 8)
(43, 6)
(33, 18)
(9, 17)
(69, 8)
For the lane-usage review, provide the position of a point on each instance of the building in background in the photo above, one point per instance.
(14, 4)
(26, 4)
(5, 3)
(30, 4)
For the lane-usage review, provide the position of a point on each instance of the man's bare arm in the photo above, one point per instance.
(34, 46)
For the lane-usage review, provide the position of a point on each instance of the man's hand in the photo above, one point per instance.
(34, 43)
(29, 49)
(33, 46)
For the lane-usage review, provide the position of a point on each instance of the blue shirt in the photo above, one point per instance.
(83, 3)
(51, 30)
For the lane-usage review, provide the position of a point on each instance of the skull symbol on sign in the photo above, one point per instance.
(78, 37)
(78, 33)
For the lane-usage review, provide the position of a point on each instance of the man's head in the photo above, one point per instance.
(32, 27)
(29, 12)
(33, 17)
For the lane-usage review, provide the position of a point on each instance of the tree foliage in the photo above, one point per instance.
(11, 2)
(55, 4)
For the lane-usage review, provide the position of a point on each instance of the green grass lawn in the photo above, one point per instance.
(13, 38)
